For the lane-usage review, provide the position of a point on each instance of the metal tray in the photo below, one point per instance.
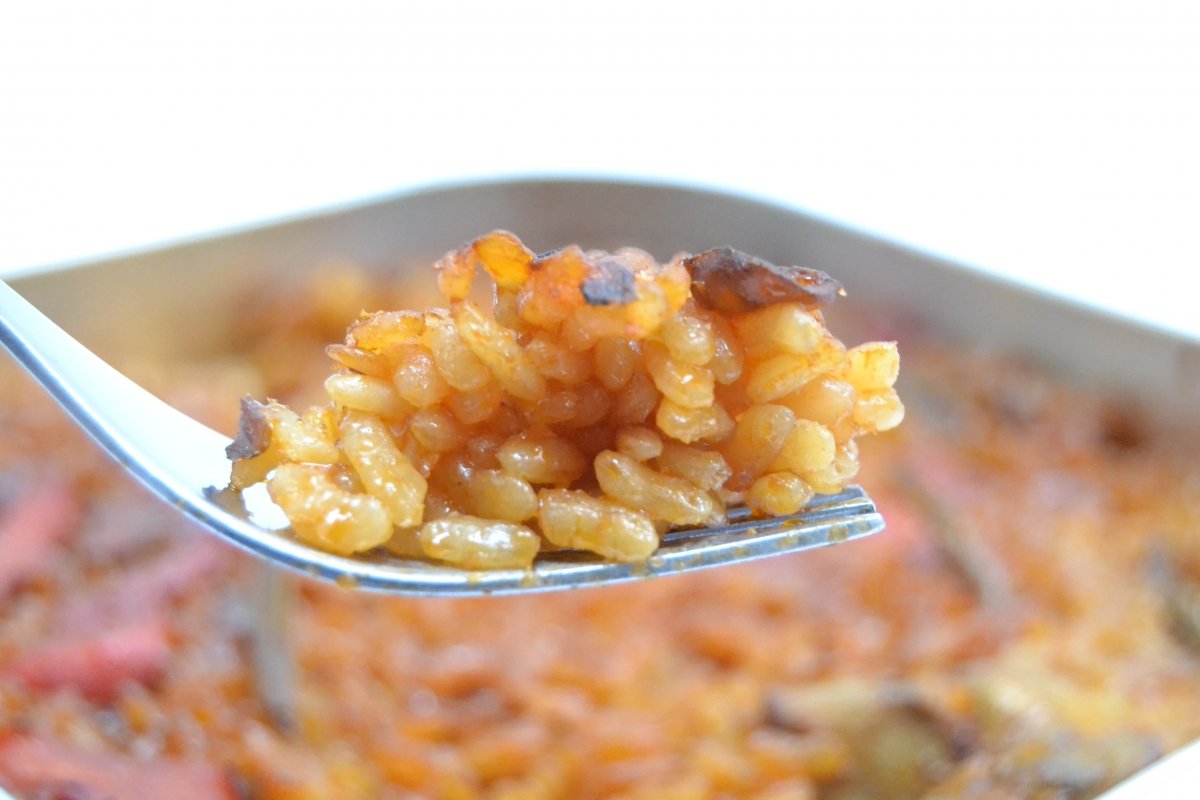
(179, 300)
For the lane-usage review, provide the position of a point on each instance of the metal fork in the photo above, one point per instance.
(184, 462)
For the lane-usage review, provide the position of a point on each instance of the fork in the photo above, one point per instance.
(184, 462)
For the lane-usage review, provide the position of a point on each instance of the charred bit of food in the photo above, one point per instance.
(732, 282)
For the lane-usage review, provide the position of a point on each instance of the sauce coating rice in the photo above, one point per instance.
(1025, 628)
(478, 439)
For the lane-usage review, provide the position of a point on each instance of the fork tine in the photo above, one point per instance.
(850, 504)
(827, 520)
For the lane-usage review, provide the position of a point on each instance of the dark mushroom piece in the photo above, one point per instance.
(732, 282)
(901, 741)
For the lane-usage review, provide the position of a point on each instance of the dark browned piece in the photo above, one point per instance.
(254, 434)
(732, 282)
(609, 282)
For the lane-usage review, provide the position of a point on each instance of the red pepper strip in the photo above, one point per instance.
(30, 532)
(33, 767)
(99, 663)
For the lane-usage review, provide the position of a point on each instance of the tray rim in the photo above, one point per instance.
(22, 274)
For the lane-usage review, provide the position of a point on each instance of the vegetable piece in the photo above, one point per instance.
(35, 767)
(980, 569)
(96, 665)
(31, 531)
(144, 591)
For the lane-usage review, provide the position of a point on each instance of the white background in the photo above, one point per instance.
(1055, 142)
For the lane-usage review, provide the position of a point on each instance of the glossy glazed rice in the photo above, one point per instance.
(604, 399)
(1025, 628)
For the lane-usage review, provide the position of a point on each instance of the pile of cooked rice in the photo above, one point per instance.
(605, 399)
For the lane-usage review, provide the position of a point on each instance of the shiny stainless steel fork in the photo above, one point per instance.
(184, 462)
